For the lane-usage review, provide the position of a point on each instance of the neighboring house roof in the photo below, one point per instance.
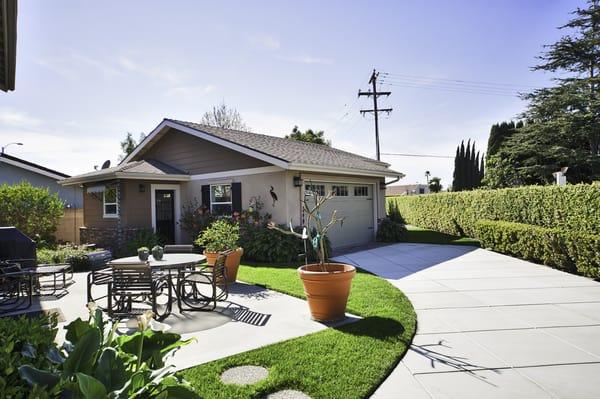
(32, 167)
(8, 44)
(144, 169)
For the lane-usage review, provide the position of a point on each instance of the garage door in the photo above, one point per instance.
(354, 202)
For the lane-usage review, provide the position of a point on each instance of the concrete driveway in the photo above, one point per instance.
(490, 326)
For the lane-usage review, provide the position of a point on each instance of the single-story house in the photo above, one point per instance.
(225, 170)
(14, 170)
(406, 189)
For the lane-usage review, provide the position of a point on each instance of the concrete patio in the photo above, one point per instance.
(251, 317)
(490, 326)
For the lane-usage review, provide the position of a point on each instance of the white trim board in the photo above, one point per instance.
(177, 205)
(236, 172)
(31, 168)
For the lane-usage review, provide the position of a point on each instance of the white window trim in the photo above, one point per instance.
(177, 205)
(104, 203)
(221, 203)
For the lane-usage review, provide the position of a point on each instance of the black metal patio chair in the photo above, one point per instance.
(179, 249)
(200, 289)
(99, 276)
(16, 288)
(134, 284)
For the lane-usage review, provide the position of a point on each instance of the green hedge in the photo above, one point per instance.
(566, 250)
(573, 208)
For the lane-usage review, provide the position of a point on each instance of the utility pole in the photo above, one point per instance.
(374, 93)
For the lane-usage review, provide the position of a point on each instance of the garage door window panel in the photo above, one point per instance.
(361, 191)
(340, 191)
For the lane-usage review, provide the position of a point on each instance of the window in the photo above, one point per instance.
(109, 202)
(319, 189)
(340, 191)
(220, 199)
(421, 190)
(361, 191)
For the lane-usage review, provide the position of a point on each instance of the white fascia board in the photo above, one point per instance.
(31, 168)
(237, 172)
(343, 171)
(208, 137)
(122, 175)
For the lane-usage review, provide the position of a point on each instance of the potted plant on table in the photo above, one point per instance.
(222, 235)
(143, 253)
(326, 284)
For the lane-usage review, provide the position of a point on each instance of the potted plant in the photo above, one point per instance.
(157, 252)
(143, 253)
(222, 235)
(326, 284)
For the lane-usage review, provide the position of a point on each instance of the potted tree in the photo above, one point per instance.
(222, 235)
(326, 284)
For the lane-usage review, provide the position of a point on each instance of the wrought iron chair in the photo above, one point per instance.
(16, 288)
(135, 283)
(100, 275)
(200, 289)
(179, 249)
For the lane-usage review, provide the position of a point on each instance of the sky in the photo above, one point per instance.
(88, 72)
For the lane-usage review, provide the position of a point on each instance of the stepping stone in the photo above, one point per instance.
(288, 394)
(244, 375)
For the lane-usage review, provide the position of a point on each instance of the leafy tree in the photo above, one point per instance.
(225, 117)
(309, 136)
(563, 122)
(33, 210)
(468, 170)
(128, 144)
(435, 185)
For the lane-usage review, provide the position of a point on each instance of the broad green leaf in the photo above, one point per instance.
(82, 357)
(76, 329)
(111, 370)
(34, 376)
(90, 387)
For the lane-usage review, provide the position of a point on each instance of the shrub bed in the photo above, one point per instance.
(573, 208)
(566, 250)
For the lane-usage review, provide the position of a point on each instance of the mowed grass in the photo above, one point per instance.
(425, 236)
(346, 362)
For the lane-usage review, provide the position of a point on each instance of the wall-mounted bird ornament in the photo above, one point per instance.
(273, 196)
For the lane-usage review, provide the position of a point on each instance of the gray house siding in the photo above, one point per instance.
(197, 156)
(71, 195)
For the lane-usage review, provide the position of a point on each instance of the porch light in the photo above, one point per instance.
(298, 181)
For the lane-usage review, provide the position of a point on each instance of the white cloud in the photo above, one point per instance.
(264, 41)
(159, 73)
(306, 59)
(190, 91)
(14, 118)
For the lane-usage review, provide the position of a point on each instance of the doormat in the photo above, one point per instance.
(60, 317)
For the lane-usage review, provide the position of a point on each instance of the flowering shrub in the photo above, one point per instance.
(195, 218)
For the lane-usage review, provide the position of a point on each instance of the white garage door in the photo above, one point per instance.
(354, 202)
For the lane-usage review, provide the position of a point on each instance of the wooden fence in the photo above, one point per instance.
(68, 227)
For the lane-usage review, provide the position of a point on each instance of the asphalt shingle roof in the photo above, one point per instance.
(292, 151)
(151, 166)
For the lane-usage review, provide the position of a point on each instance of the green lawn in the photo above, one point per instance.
(345, 362)
(420, 235)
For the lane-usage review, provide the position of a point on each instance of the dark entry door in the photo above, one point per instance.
(165, 215)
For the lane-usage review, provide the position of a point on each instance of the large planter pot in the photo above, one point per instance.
(211, 257)
(327, 291)
(232, 264)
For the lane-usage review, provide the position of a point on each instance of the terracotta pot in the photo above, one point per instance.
(211, 257)
(327, 291)
(232, 264)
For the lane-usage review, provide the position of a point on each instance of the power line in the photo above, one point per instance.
(452, 90)
(417, 155)
(461, 81)
(375, 94)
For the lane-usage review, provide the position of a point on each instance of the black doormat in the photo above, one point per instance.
(35, 313)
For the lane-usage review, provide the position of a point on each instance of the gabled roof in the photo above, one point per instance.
(32, 167)
(144, 169)
(286, 153)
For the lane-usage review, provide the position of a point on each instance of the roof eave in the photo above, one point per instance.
(345, 171)
(122, 175)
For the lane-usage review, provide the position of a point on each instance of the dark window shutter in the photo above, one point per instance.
(206, 195)
(236, 197)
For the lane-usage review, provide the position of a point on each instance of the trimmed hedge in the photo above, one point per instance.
(574, 208)
(566, 250)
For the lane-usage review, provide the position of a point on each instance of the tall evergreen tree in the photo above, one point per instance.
(468, 171)
(563, 122)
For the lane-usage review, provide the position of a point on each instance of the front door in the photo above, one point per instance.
(165, 215)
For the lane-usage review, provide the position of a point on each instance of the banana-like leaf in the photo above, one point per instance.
(34, 376)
